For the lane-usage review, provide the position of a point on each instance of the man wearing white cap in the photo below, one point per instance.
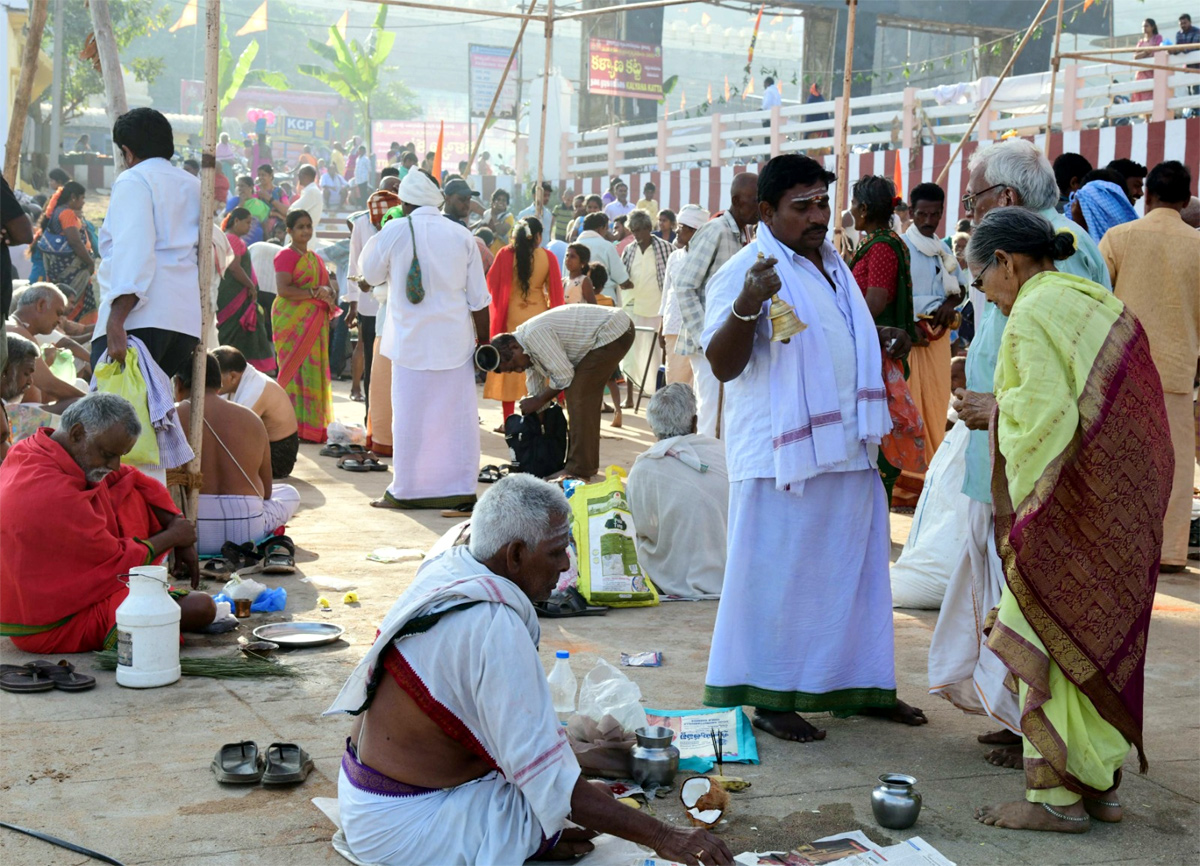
(437, 302)
(679, 367)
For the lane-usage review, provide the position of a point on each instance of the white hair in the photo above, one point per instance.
(672, 411)
(518, 507)
(639, 218)
(1018, 164)
(99, 411)
(34, 292)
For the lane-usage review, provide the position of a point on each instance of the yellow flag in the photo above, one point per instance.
(778, 19)
(256, 22)
(710, 93)
(704, 19)
(682, 99)
(341, 26)
(726, 88)
(186, 19)
(749, 88)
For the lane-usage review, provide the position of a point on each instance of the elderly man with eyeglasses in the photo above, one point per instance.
(961, 668)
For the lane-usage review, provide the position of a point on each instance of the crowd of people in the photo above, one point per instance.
(1080, 325)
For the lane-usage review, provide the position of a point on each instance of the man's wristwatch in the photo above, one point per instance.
(737, 315)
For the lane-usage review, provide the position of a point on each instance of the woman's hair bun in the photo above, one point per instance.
(1063, 246)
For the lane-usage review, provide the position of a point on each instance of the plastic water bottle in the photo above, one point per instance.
(562, 683)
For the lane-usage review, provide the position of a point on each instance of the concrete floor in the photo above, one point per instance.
(126, 772)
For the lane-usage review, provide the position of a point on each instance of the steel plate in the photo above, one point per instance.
(299, 634)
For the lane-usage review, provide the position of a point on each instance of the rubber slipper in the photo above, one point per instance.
(568, 603)
(373, 465)
(334, 449)
(489, 474)
(353, 463)
(63, 675)
(24, 680)
(238, 763)
(279, 555)
(240, 555)
(217, 569)
(287, 764)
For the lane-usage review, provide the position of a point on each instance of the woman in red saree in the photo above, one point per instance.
(304, 306)
(241, 320)
(1082, 471)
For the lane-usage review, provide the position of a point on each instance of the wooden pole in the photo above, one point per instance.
(996, 87)
(208, 175)
(464, 10)
(842, 167)
(110, 71)
(1099, 52)
(20, 109)
(1137, 63)
(56, 106)
(1055, 60)
(545, 99)
(499, 87)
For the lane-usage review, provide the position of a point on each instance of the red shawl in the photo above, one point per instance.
(62, 543)
(500, 284)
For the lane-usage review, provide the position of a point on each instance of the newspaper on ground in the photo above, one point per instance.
(850, 849)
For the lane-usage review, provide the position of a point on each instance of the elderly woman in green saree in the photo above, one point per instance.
(1082, 470)
(241, 320)
(304, 306)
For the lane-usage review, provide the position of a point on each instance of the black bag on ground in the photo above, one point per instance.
(538, 442)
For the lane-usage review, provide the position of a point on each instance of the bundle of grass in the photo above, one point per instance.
(216, 667)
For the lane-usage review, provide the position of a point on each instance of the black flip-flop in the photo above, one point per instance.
(373, 465)
(489, 474)
(334, 449)
(278, 554)
(18, 678)
(63, 675)
(570, 602)
(238, 763)
(240, 555)
(287, 764)
(219, 568)
(353, 463)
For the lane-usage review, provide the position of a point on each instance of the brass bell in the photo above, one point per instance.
(785, 324)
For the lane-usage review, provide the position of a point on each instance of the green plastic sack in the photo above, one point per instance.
(64, 366)
(131, 384)
(609, 572)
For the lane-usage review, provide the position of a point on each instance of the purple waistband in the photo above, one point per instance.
(374, 782)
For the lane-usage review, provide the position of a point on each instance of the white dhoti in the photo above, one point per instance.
(481, 822)
(805, 621)
(242, 518)
(961, 667)
(643, 351)
(708, 394)
(435, 436)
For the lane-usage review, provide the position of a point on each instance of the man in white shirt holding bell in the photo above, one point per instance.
(149, 274)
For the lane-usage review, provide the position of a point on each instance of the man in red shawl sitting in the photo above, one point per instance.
(63, 598)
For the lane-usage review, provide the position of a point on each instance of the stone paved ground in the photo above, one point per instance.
(127, 772)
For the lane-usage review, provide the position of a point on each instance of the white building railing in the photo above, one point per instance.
(1086, 95)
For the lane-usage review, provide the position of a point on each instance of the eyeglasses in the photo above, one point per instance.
(977, 283)
(968, 200)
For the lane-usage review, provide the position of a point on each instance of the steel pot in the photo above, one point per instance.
(894, 802)
(655, 760)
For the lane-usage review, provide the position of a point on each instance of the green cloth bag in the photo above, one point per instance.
(131, 384)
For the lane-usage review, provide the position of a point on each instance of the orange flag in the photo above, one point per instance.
(898, 178)
(710, 93)
(186, 19)
(1087, 3)
(437, 153)
(256, 22)
(726, 88)
(749, 87)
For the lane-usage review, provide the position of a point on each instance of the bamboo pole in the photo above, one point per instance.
(38, 10)
(110, 71)
(1138, 64)
(56, 87)
(208, 173)
(545, 99)
(464, 10)
(842, 167)
(1089, 52)
(499, 87)
(1037, 19)
(1055, 60)
(632, 7)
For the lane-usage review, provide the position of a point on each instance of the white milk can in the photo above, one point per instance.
(148, 631)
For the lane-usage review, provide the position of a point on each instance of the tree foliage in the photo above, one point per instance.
(234, 74)
(131, 19)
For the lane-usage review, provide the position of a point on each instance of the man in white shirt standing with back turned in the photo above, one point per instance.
(437, 312)
(149, 273)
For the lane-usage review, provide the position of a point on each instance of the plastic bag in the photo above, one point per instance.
(339, 433)
(904, 447)
(131, 384)
(602, 526)
(608, 692)
(270, 600)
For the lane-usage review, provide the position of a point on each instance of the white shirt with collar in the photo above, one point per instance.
(615, 209)
(148, 248)
(437, 333)
(605, 252)
(362, 232)
(311, 201)
(771, 97)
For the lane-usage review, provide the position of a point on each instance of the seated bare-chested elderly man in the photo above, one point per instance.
(238, 501)
(63, 598)
(22, 419)
(457, 756)
(36, 312)
(243, 384)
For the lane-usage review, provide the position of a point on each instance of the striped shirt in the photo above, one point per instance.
(715, 243)
(557, 340)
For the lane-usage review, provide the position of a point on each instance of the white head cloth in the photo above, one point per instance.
(417, 189)
(693, 216)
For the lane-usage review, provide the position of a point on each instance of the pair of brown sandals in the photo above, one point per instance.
(44, 676)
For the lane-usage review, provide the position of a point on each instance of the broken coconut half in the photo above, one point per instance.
(704, 801)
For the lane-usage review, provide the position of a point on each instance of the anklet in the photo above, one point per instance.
(1108, 804)
(1060, 816)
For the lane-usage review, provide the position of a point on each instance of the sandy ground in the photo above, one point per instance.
(126, 772)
